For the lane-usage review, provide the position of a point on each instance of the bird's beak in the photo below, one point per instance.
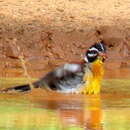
(103, 56)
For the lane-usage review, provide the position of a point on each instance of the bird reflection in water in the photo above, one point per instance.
(82, 112)
(87, 115)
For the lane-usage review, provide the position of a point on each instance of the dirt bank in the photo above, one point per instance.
(51, 33)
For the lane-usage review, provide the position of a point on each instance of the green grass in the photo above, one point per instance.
(21, 117)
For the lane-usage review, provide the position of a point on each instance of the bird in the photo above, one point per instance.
(81, 78)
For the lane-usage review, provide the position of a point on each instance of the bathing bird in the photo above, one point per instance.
(83, 78)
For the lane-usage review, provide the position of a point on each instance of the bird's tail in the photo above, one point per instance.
(20, 88)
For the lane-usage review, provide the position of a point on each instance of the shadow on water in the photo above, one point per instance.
(39, 110)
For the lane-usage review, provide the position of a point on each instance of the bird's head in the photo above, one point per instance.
(96, 52)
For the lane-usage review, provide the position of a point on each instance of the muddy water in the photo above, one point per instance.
(40, 110)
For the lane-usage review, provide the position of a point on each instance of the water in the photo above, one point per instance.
(39, 110)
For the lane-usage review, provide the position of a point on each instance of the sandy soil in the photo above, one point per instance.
(52, 32)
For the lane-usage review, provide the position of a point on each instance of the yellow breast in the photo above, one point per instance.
(93, 80)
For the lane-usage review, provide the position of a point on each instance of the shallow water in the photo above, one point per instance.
(40, 110)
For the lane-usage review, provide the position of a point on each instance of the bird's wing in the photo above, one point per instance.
(63, 76)
(67, 69)
(63, 71)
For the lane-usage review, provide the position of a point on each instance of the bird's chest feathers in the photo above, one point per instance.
(92, 80)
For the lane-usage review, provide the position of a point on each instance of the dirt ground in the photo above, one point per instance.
(52, 32)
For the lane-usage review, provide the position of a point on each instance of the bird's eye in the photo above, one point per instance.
(93, 52)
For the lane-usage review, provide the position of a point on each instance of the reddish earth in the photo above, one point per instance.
(50, 33)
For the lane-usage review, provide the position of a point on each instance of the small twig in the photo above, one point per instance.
(23, 63)
(21, 58)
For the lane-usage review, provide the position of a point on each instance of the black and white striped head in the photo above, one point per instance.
(94, 51)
